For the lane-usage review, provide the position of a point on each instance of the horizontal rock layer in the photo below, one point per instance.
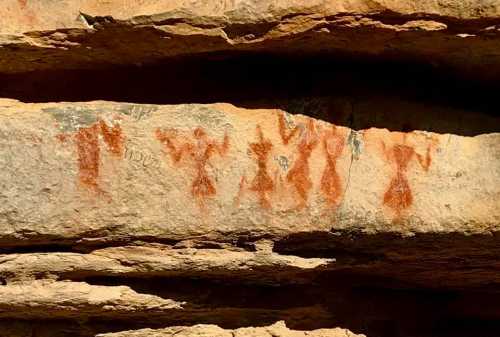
(117, 217)
(278, 329)
(156, 261)
(78, 300)
(79, 177)
(68, 34)
(90, 172)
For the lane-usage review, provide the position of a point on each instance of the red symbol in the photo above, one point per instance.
(262, 183)
(299, 173)
(200, 150)
(89, 150)
(399, 196)
(331, 186)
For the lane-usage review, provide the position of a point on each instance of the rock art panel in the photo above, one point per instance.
(200, 167)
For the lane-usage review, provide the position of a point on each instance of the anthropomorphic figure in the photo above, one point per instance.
(200, 149)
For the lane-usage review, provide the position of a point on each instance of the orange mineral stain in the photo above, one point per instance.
(298, 175)
(262, 184)
(200, 150)
(331, 186)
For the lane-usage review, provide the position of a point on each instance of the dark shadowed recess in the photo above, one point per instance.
(329, 302)
(349, 91)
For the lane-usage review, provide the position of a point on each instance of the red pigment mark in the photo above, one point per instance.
(285, 137)
(262, 184)
(29, 14)
(243, 182)
(62, 137)
(113, 137)
(87, 141)
(299, 173)
(399, 196)
(426, 161)
(333, 145)
(200, 150)
(89, 151)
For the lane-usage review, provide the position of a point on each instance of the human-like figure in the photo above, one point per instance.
(200, 150)
(298, 175)
(262, 183)
(333, 145)
(398, 196)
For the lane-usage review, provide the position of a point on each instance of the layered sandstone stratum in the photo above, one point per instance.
(361, 207)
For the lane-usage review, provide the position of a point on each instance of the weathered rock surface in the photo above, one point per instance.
(277, 330)
(78, 300)
(38, 35)
(100, 172)
(132, 216)
(133, 261)
(353, 191)
(92, 175)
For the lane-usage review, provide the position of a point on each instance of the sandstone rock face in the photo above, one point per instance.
(85, 33)
(278, 329)
(97, 172)
(249, 168)
(117, 195)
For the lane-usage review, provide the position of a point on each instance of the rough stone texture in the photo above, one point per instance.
(96, 172)
(118, 217)
(258, 267)
(77, 300)
(43, 34)
(277, 330)
(121, 219)
(205, 183)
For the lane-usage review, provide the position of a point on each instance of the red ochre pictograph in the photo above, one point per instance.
(331, 186)
(399, 196)
(200, 150)
(298, 175)
(89, 150)
(262, 183)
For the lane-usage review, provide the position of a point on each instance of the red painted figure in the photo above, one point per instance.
(331, 186)
(262, 183)
(200, 150)
(89, 150)
(399, 196)
(298, 175)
